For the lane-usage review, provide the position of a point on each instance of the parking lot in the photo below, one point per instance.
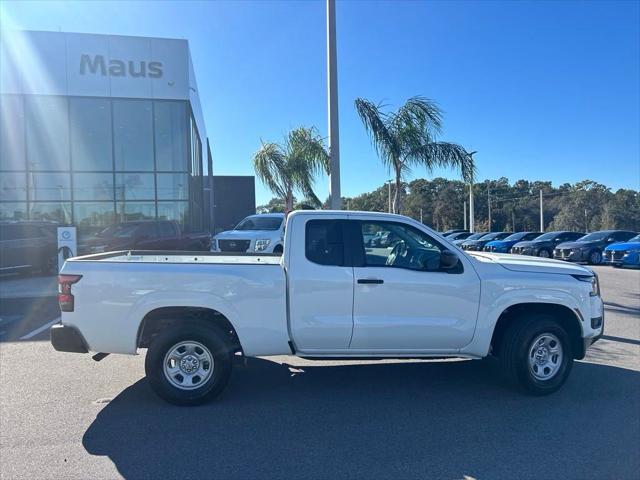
(66, 416)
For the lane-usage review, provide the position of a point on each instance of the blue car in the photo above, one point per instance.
(503, 246)
(623, 254)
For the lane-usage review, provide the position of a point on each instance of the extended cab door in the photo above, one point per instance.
(404, 301)
(320, 284)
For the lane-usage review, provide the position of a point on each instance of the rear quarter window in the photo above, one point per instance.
(324, 242)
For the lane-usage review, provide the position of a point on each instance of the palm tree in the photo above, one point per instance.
(292, 166)
(407, 138)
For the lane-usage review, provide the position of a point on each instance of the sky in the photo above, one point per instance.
(541, 90)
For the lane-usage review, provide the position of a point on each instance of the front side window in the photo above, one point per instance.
(324, 242)
(390, 244)
(166, 229)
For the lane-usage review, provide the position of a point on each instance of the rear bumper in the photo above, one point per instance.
(65, 338)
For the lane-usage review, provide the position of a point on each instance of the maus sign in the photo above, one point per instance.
(97, 64)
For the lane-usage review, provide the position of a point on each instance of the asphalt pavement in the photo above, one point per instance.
(66, 416)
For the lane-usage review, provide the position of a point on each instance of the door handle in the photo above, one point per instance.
(370, 281)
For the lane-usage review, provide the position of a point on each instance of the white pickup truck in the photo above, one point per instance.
(334, 293)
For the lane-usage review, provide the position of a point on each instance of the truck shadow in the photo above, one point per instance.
(382, 420)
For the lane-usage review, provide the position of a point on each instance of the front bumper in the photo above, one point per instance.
(627, 259)
(65, 338)
(573, 255)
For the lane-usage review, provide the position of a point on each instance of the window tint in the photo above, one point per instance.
(133, 135)
(90, 120)
(324, 243)
(47, 132)
(171, 142)
(389, 244)
(166, 229)
(623, 236)
(147, 229)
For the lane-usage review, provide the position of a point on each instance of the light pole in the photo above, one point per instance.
(332, 94)
(388, 182)
(471, 209)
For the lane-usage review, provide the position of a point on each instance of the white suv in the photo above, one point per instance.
(262, 233)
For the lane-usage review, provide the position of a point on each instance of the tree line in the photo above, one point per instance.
(583, 206)
(408, 139)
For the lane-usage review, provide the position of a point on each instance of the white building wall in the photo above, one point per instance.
(51, 63)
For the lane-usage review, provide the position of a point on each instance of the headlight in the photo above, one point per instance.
(593, 280)
(635, 250)
(262, 244)
(214, 244)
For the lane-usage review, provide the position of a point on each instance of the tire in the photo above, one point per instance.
(518, 348)
(278, 249)
(545, 253)
(595, 257)
(203, 344)
(50, 265)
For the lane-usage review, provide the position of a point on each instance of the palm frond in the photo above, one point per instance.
(422, 113)
(270, 165)
(446, 155)
(378, 126)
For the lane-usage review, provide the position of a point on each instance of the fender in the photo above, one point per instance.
(491, 307)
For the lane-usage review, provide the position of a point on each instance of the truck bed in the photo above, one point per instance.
(119, 289)
(156, 256)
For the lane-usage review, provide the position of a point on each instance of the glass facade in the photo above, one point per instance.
(92, 161)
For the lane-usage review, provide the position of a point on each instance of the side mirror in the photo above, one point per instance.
(611, 239)
(448, 259)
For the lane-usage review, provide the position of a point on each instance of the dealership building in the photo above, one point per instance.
(97, 129)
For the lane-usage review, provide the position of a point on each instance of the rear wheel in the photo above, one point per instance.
(189, 364)
(536, 354)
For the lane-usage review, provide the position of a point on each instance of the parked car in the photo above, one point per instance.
(503, 246)
(329, 297)
(623, 254)
(473, 236)
(588, 249)
(459, 236)
(145, 235)
(262, 233)
(452, 231)
(29, 246)
(544, 245)
(478, 245)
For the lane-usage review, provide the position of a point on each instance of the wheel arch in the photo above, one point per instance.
(569, 319)
(164, 317)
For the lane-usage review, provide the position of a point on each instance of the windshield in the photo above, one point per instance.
(123, 231)
(548, 236)
(593, 236)
(258, 222)
(517, 236)
(476, 236)
(634, 239)
(492, 236)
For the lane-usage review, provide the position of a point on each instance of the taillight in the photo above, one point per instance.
(65, 298)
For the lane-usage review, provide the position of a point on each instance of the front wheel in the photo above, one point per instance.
(544, 253)
(595, 257)
(536, 354)
(188, 364)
